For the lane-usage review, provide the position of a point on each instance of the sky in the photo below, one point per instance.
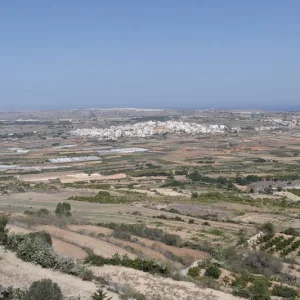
(193, 54)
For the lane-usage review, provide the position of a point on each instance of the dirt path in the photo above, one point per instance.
(60, 247)
(156, 287)
(151, 249)
(69, 176)
(21, 274)
(99, 247)
(90, 229)
(290, 195)
(143, 251)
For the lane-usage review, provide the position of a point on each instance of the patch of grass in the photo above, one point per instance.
(102, 197)
(295, 192)
(215, 231)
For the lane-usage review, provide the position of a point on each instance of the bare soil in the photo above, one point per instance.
(60, 247)
(158, 288)
(99, 247)
(21, 274)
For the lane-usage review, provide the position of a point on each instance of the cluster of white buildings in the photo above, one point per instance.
(122, 150)
(145, 129)
(287, 123)
(61, 160)
(19, 150)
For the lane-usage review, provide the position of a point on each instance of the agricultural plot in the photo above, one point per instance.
(281, 245)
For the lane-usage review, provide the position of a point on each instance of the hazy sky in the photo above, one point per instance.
(157, 53)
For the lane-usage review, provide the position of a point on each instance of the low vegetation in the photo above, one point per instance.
(137, 263)
(37, 248)
(44, 289)
(147, 232)
(102, 197)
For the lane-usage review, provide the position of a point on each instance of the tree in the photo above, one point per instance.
(100, 295)
(44, 289)
(63, 209)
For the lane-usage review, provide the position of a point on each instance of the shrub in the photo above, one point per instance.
(191, 221)
(37, 251)
(262, 263)
(128, 293)
(3, 230)
(268, 228)
(35, 247)
(241, 291)
(44, 289)
(137, 263)
(284, 291)
(63, 209)
(29, 213)
(206, 223)
(213, 271)
(194, 195)
(42, 235)
(122, 235)
(100, 295)
(193, 272)
(290, 231)
(11, 293)
(260, 290)
(194, 176)
(43, 212)
(146, 232)
(171, 239)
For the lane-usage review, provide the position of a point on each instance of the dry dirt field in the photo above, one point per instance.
(157, 288)
(69, 177)
(21, 274)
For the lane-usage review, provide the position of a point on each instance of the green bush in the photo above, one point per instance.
(260, 290)
(194, 195)
(284, 292)
(128, 293)
(43, 212)
(100, 295)
(3, 230)
(262, 263)
(291, 231)
(173, 183)
(63, 209)
(268, 228)
(171, 239)
(42, 235)
(44, 289)
(194, 272)
(122, 235)
(213, 271)
(37, 251)
(35, 247)
(146, 232)
(149, 266)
